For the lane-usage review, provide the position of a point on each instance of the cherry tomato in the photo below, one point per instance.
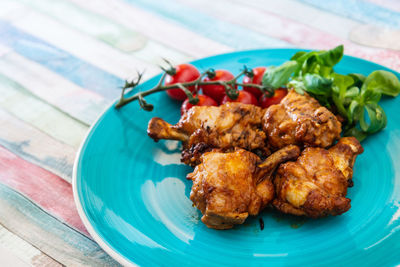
(183, 73)
(275, 99)
(244, 97)
(203, 101)
(256, 79)
(217, 92)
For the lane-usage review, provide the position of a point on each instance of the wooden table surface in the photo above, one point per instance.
(63, 61)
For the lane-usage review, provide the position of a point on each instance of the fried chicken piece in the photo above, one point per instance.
(203, 128)
(301, 120)
(316, 184)
(228, 187)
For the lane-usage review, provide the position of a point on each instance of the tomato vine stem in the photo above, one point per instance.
(230, 87)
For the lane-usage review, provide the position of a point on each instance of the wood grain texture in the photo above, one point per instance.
(389, 4)
(25, 252)
(47, 190)
(91, 24)
(61, 93)
(22, 104)
(237, 37)
(94, 51)
(68, 9)
(163, 31)
(35, 146)
(70, 67)
(360, 10)
(298, 34)
(304, 14)
(46, 233)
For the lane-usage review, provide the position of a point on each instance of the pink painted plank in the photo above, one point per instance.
(50, 192)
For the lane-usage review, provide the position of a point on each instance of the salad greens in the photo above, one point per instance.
(353, 96)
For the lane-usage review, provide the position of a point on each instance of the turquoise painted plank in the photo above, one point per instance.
(226, 33)
(36, 146)
(46, 233)
(363, 11)
(59, 61)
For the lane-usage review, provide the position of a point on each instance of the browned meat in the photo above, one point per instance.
(301, 120)
(316, 184)
(203, 128)
(228, 187)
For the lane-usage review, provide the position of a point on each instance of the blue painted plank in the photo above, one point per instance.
(218, 30)
(59, 61)
(362, 11)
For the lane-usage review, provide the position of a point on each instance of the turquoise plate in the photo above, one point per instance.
(133, 197)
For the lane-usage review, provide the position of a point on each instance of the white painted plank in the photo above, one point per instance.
(155, 28)
(7, 258)
(305, 14)
(80, 103)
(35, 146)
(82, 46)
(14, 251)
(22, 104)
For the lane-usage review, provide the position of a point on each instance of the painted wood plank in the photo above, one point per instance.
(50, 192)
(161, 30)
(46, 233)
(299, 34)
(237, 36)
(35, 146)
(389, 4)
(8, 8)
(305, 14)
(101, 28)
(376, 36)
(93, 51)
(363, 11)
(76, 101)
(22, 104)
(63, 11)
(59, 61)
(25, 252)
(9, 259)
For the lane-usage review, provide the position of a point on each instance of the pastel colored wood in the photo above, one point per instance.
(50, 192)
(65, 25)
(49, 235)
(35, 146)
(9, 259)
(389, 4)
(237, 37)
(161, 30)
(303, 14)
(93, 51)
(76, 101)
(23, 251)
(375, 36)
(101, 28)
(363, 11)
(8, 9)
(70, 67)
(22, 104)
(295, 33)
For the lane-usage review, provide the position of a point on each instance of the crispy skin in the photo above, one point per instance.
(228, 187)
(300, 120)
(203, 128)
(316, 184)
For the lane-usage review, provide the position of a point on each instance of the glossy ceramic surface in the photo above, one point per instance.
(133, 196)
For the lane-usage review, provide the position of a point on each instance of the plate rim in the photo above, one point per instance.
(93, 233)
